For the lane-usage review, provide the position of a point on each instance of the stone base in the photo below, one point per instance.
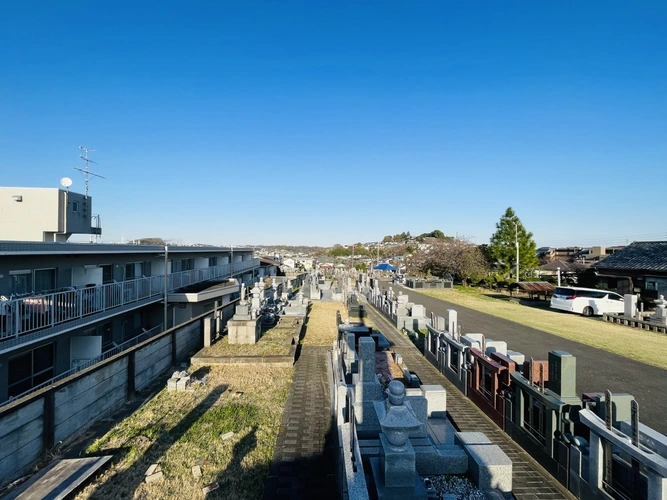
(436, 395)
(398, 466)
(465, 438)
(418, 491)
(435, 460)
(243, 331)
(489, 467)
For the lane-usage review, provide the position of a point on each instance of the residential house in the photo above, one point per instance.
(640, 267)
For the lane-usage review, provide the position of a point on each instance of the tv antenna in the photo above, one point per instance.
(86, 173)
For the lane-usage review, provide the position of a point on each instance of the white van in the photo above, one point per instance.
(586, 301)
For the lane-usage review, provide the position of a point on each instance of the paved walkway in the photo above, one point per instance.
(529, 479)
(304, 464)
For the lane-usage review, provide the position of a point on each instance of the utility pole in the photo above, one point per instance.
(166, 295)
(516, 241)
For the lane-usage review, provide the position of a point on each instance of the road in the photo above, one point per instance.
(597, 369)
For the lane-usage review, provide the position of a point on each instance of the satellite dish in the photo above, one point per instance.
(66, 182)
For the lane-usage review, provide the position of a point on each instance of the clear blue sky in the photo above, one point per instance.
(335, 122)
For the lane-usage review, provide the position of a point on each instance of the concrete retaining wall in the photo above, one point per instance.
(188, 339)
(151, 361)
(80, 403)
(20, 439)
(69, 407)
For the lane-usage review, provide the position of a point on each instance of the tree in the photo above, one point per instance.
(152, 241)
(339, 251)
(455, 256)
(502, 247)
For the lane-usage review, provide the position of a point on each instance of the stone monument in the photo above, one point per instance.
(395, 471)
(660, 316)
(243, 328)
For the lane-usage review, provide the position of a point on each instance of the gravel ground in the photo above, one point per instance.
(456, 485)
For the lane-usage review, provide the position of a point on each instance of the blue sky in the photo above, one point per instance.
(335, 122)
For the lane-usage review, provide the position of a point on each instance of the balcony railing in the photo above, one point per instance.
(37, 312)
(145, 335)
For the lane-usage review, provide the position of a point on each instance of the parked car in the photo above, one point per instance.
(586, 301)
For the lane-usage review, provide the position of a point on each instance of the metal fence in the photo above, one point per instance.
(28, 314)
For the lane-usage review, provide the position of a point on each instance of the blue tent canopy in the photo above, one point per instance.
(385, 267)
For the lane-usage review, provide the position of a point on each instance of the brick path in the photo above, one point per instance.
(304, 464)
(529, 479)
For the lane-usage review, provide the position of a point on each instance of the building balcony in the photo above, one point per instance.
(29, 319)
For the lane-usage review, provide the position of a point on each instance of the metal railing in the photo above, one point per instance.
(90, 362)
(36, 312)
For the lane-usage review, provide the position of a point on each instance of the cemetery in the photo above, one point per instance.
(635, 317)
(592, 443)
(394, 435)
(417, 283)
(265, 329)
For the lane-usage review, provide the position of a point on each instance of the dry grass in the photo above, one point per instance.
(320, 328)
(178, 430)
(275, 341)
(641, 345)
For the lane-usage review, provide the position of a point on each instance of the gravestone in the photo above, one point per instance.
(256, 300)
(243, 328)
(629, 305)
(367, 390)
(499, 346)
(451, 320)
(418, 311)
(660, 316)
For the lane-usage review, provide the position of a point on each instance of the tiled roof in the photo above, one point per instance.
(553, 266)
(534, 286)
(638, 256)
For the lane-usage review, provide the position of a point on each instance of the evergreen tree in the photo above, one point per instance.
(502, 247)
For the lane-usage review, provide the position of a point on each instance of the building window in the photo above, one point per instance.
(212, 261)
(20, 282)
(30, 369)
(75, 206)
(107, 273)
(45, 280)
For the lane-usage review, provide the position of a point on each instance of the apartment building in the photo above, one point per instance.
(63, 304)
(45, 214)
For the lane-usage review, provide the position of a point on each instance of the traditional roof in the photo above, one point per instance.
(553, 266)
(533, 286)
(638, 256)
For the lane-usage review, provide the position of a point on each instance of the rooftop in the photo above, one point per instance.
(640, 256)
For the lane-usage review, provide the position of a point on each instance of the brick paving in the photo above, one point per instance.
(304, 463)
(529, 479)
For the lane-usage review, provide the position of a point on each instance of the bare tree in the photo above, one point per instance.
(152, 241)
(457, 256)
